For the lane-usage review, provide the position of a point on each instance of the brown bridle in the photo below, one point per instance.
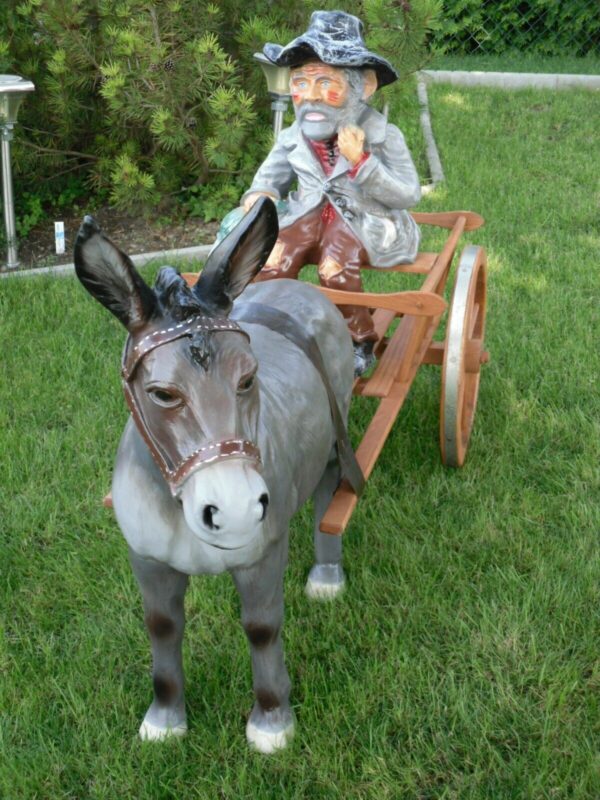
(174, 466)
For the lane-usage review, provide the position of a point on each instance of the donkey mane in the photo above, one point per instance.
(175, 298)
(178, 302)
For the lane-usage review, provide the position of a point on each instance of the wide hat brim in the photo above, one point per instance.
(335, 38)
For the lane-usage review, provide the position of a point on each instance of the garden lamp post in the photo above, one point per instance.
(12, 91)
(278, 85)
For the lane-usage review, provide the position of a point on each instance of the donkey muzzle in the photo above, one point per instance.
(226, 503)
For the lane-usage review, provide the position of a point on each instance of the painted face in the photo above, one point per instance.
(320, 94)
(318, 82)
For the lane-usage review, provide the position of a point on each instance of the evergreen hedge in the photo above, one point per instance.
(543, 27)
(137, 101)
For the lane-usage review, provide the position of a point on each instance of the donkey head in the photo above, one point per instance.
(189, 374)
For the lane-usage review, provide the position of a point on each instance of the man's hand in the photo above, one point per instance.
(351, 141)
(252, 198)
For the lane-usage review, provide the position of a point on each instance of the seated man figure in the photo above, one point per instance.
(354, 172)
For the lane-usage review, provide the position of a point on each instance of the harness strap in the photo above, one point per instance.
(138, 346)
(176, 473)
(175, 467)
(284, 324)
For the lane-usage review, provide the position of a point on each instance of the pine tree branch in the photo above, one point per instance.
(155, 27)
(201, 158)
(65, 171)
(55, 152)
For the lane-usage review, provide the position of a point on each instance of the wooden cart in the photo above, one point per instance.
(400, 353)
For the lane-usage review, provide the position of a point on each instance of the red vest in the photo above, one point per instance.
(328, 152)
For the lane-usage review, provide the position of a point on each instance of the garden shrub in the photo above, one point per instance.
(544, 27)
(155, 100)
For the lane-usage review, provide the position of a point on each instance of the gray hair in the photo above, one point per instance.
(353, 108)
(356, 78)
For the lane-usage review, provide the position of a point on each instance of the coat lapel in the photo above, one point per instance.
(374, 125)
(342, 165)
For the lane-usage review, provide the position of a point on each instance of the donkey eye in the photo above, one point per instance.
(164, 397)
(246, 384)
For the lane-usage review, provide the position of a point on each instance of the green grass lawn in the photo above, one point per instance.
(462, 661)
(517, 61)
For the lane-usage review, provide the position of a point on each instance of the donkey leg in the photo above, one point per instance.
(271, 722)
(163, 590)
(326, 578)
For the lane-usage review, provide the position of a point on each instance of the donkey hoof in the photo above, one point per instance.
(268, 742)
(325, 581)
(152, 733)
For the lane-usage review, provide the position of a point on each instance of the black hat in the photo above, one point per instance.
(335, 38)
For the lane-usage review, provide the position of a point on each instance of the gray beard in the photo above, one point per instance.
(335, 118)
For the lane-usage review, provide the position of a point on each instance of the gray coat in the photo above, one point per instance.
(372, 203)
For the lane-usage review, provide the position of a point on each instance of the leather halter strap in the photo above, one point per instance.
(284, 324)
(175, 471)
(138, 346)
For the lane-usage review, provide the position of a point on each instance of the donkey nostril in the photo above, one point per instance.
(264, 501)
(208, 515)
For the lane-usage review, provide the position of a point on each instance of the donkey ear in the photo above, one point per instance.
(238, 258)
(110, 276)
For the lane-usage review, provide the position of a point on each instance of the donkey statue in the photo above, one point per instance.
(234, 424)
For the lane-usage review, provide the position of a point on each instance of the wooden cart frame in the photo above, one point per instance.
(411, 344)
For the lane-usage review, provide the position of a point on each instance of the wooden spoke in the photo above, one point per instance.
(463, 356)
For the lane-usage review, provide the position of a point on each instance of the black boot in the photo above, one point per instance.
(364, 357)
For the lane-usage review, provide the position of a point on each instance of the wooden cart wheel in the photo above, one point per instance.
(463, 356)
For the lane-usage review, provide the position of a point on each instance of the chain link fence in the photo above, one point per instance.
(507, 35)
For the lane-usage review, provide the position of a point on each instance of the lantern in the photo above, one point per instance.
(12, 91)
(278, 86)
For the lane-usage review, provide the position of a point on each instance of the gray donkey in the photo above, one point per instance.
(233, 426)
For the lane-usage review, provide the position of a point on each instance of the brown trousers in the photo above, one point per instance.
(338, 255)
